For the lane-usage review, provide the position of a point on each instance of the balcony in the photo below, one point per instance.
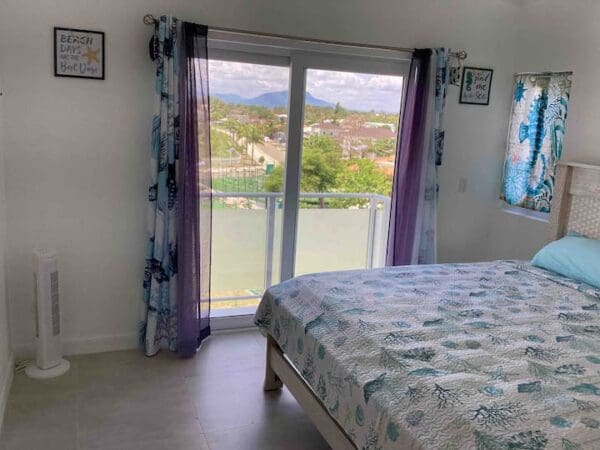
(246, 241)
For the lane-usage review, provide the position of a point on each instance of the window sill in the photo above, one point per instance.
(527, 213)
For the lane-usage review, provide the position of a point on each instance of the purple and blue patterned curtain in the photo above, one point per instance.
(412, 235)
(535, 140)
(176, 304)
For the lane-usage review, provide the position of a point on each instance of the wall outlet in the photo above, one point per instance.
(462, 185)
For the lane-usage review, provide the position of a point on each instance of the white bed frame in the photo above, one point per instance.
(576, 204)
(576, 208)
(281, 371)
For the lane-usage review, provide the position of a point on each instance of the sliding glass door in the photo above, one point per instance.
(348, 154)
(303, 148)
(248, 105)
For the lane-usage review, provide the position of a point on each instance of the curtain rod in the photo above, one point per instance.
(542, 74)
(149, 19)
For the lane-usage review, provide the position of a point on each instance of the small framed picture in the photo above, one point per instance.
(476, 86)
(78, 53)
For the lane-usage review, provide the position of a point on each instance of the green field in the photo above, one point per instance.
(239, 184)
(236, 184)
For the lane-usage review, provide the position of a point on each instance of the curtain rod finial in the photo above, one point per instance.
(461, 54)
(149, 19)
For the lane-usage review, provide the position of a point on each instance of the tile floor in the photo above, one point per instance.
(124, 400)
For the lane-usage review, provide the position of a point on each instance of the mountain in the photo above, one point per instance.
(270, 100)
(313, 101)
(231, 98)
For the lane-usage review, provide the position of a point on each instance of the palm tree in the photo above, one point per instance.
(253, 135)
(244, 132)
(233, 126)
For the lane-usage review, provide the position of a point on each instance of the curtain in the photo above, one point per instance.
(176, 304)
(412, 235)
(195, 216)
(535, 140)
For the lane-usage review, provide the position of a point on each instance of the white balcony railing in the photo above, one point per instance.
(364, 226)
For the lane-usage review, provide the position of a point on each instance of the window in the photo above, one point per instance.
(535, 141)
(303, 145)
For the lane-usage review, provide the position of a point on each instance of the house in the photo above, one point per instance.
(326, 129)
(279, 137)
(379, 125)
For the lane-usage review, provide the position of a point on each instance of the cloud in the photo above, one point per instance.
(247, 80)
(364, 92)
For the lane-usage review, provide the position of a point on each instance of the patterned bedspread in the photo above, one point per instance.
(495, 355)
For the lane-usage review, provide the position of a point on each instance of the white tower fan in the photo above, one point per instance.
(49, 362)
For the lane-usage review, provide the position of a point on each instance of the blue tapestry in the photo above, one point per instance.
(535, 140)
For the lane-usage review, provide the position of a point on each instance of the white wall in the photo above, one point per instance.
(77, 161)
(5, 350)
(557, 35)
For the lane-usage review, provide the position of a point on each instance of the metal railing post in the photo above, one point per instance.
(270, 240)
(385, 225)
(371, 231)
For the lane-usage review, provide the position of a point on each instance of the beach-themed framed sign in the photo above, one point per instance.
(476, 86)
(78, 53)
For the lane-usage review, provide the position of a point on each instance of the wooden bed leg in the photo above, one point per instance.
(272, 381)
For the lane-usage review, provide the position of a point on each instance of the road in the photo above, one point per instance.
(272, 153)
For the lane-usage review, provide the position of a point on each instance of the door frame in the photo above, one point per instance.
(300, 63)
(301, 56)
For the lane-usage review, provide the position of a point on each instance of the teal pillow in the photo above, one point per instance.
(573, 257)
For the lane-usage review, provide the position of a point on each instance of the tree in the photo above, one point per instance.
(270, 127)
(217, 109)
(383, 147)
(234, 127)
(274, 181)
(243, 135)
(324, 143)
(315, 114)
(221, 144)
(361, 175)
(338, 112)
(319, 170)
(254, 136)
(321, 165)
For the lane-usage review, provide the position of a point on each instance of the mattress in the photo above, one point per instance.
(456, 356)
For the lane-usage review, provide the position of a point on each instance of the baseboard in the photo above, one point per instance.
(97, 344)
(101, 344)
(5, 384)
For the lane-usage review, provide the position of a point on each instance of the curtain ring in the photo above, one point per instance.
(149, 19)
(455, 73)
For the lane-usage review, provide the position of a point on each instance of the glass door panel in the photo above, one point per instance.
(348, 156)
(248, 107)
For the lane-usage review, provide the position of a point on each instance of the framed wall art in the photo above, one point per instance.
(476, 86)
(78, 53)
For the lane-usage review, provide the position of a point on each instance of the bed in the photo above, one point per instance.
(485, 355)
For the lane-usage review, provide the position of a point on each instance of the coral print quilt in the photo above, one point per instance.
(469, 356)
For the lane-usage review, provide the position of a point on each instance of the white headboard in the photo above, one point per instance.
(576, 204)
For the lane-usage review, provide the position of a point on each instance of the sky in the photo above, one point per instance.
(362, 92)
